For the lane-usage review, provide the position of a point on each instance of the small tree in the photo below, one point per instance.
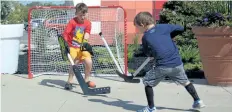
(6, 8)
(12, 12)
(17, 15)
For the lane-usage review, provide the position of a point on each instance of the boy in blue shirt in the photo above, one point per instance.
(157, 42)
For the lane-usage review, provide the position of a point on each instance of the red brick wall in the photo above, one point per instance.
(158, 7)
(132, 8)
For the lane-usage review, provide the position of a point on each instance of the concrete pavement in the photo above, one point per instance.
(46, 94)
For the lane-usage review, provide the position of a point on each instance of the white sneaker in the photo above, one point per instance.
(147, 109)
(198, 104)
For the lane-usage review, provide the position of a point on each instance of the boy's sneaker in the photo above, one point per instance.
(147, 109)
(68, 86)
(198, 104)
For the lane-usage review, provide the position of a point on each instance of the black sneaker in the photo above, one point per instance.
(68, 86)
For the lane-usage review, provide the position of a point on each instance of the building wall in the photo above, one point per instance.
(132, 7)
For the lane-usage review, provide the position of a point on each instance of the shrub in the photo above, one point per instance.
(189, 54)
(133, 47)
(214, 19)
(188, 14)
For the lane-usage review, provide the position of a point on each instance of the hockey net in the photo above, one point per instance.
(44, 55)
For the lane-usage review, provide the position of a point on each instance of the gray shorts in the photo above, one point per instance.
(157, 74)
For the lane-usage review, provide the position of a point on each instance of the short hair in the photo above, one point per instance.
(144, 18)
(81, 7)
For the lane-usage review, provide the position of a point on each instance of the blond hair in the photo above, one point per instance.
(81, 7)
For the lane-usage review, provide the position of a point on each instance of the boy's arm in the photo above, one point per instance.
(86, 46)
(144, 50)
(145, 46)
(67, 32)
(175, 30)
(173, 27)
(87, 31)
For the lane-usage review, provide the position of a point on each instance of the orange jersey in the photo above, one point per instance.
(74, 32)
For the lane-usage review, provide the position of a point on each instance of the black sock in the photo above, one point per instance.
(150, 96)
(190, 88)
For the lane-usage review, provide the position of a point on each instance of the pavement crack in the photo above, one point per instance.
(62, 105)
(227, 91)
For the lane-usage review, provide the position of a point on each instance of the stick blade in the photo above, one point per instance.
(129, 79)
(86, 90)
(102, 90)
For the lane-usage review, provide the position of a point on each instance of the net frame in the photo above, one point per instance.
(125, 66)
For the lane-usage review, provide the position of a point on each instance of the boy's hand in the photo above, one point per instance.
(85, 41)
(87, 47)
(139, 53)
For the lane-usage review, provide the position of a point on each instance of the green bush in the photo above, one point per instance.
(193, 66)
(133, 47)
(182, 13)
(187, 14)
(104, 53)
(190, 57)
(189, 54)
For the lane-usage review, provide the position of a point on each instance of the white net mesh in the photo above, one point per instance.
(45, 55)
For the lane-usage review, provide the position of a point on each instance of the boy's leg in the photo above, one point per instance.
(180, 76)
(71, 73)
(73, 53)
(86, 57)
(68, 85)
(192, 91)
(150, 96)
(198, 103)
(151, 79)
(88, 68)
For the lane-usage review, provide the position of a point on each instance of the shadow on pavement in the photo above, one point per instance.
(60, 85)
(127, 105)
(56, 84)
(166, 80)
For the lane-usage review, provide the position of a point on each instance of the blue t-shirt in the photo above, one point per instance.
(163, 47)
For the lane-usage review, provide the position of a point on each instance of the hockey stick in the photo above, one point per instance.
(128, 78)
(79, 77)
(119, 70)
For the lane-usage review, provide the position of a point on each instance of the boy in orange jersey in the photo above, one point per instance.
(76, 34)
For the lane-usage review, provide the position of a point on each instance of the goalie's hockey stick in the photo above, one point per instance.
(79, 77)
(119, 70)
